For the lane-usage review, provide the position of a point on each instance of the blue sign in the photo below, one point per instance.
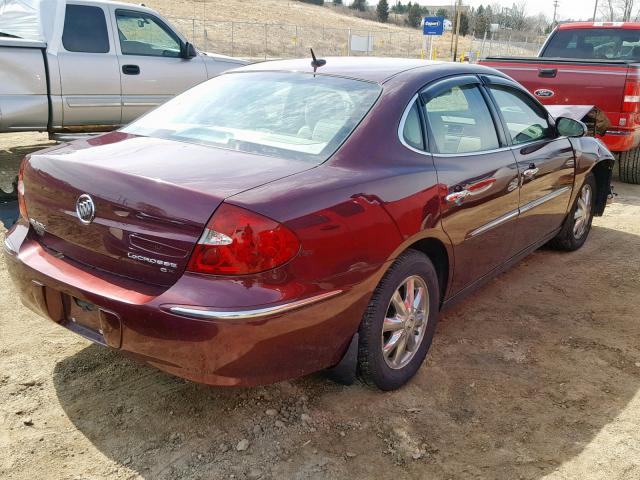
(433, 26)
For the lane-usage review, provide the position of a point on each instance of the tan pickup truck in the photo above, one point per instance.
(91, 65)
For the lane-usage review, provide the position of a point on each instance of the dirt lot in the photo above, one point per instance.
(535, 376)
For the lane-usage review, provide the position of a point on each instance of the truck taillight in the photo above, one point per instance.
(631, 101)
(238, 242)
(21, 203)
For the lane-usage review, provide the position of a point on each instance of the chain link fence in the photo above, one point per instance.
(262, 41)
(507, 44)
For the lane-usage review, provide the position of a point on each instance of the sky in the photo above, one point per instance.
(574, 9)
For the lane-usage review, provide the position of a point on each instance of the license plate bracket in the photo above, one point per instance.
(95, 323)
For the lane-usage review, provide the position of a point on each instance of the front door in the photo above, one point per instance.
(151, 67)
(477, 171)
(545, 160)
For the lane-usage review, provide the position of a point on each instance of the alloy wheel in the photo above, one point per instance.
(405, 322)
(582, 214)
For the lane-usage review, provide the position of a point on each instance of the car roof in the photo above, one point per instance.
(373, 69)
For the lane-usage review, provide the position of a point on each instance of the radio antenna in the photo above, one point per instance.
(316, 62)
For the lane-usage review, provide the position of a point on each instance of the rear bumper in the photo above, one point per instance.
(621, 140)
(181, 330)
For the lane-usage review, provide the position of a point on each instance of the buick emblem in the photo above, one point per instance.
(543, 92)
(85, 209)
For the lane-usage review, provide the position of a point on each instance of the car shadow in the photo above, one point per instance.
(522, 376)
(626, 193)
(12, 155)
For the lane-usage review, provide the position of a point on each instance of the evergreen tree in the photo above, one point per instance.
(360, 5)
(464, 24)
(481, 23)
(415, 16)
(398, 8)
(382, 11)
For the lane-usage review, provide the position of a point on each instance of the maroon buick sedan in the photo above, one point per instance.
(286, 218)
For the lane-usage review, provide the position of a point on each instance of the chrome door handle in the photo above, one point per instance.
(530, 172)
(457, 197)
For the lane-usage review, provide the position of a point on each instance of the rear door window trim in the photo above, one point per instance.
(434, 89)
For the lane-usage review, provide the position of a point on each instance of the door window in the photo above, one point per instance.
(526, 122)
(142, 34)
(412, 129)
(460, 121)
(85, 30)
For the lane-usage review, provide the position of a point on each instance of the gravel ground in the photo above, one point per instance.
(535, 376)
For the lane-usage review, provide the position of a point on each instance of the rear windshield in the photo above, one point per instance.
(290, 115)
(595, 44)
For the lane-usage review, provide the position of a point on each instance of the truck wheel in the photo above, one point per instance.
(578, 223)
(630, 166)
(399, 323)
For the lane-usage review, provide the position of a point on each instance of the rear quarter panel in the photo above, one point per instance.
(359, 210)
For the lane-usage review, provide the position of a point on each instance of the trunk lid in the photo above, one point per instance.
(152, 199)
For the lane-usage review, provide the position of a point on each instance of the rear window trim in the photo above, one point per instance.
(293, 72)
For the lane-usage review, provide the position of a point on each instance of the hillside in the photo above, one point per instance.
(291, 28)
(268, 11)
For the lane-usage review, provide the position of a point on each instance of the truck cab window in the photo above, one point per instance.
(595, 44)
(85, 30)
(142, 34)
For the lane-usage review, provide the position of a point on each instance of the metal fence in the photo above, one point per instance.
(262, 41)
(507, 44)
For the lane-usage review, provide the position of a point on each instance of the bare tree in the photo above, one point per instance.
(518, 15)
(618, 10)
(628, 7)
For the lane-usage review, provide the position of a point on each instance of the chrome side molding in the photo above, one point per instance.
(204, 313)
(494, 223)
(514, 213)
(549, 196)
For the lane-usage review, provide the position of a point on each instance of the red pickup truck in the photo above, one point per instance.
(590, 63)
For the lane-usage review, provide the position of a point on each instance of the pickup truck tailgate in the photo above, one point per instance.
(557, 82)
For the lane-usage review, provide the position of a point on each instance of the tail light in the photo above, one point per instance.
(21, 203)
(238, 242)
(631, 100)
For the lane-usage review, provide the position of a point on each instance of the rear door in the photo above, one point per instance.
(478, 172)
(151, 67)
(88, 68)
(546, 161)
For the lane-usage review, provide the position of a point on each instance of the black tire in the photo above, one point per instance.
(373, 368)
(629, 163)
(566, 239)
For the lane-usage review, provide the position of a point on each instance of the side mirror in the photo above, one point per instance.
(189, 51)
(568, 127)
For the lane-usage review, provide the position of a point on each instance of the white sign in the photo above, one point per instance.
(360, 43)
